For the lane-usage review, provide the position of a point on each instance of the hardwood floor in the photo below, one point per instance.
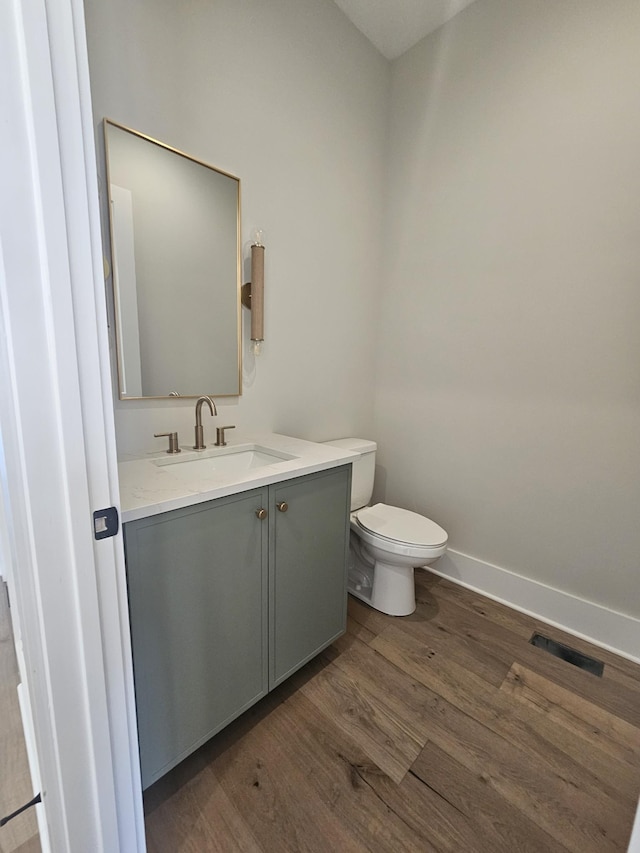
(20, 835)
(441, 731)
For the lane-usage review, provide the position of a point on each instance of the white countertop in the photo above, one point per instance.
(147, 488)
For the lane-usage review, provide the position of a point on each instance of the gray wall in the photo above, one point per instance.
(502, 349)
(508, 391)
(290, 97)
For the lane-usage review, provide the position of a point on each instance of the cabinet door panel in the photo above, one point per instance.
(198, 604)
(307, 575)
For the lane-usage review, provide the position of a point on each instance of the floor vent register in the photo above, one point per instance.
(573, 656)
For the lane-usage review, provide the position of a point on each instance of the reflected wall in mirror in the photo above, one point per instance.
(175, 247)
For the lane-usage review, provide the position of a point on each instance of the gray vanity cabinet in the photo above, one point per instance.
(307, 578)
(224, 605)
(197, 580)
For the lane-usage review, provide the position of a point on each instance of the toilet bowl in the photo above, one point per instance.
(387, 543)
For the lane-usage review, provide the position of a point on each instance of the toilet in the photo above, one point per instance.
(386, 542)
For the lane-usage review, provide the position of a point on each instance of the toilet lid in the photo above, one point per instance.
(401, 525)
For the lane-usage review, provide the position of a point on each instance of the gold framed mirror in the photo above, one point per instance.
(176, 269)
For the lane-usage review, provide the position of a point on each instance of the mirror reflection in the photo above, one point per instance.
(175, 245)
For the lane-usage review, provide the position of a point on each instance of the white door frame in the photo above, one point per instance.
(56, 418)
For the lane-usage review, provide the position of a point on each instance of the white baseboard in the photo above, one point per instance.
(613, 631)
(634, 842)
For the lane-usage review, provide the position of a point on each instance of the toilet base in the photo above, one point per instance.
(392, 591)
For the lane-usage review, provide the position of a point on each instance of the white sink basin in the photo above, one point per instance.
(224, 460)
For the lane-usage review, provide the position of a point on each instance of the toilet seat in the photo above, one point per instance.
(401, 526)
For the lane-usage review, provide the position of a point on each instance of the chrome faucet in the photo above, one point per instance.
(200, 445)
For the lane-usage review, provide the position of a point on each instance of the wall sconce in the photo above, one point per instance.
(253, 292)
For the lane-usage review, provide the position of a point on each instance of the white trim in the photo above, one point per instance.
(70, 64)
(609, 629)
(34, 769)
(634, 841)
(57, 429)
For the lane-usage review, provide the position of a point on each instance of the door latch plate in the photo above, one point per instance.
(105, 522)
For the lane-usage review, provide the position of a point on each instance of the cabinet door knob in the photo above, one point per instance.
(261, 513)
(283, 506)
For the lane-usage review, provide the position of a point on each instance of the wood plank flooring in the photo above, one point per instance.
(21, 834)
(441, 731)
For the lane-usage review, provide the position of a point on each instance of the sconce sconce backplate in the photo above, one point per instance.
(245, 295)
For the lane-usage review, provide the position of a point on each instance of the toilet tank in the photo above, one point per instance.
(364, 468)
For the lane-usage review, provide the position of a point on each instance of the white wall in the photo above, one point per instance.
(290, 97)
(508, 395)
(508, 378)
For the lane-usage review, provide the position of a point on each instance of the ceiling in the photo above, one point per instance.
(394, 26)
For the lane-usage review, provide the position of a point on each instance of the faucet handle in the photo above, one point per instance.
(173, 440)
(220, 442)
